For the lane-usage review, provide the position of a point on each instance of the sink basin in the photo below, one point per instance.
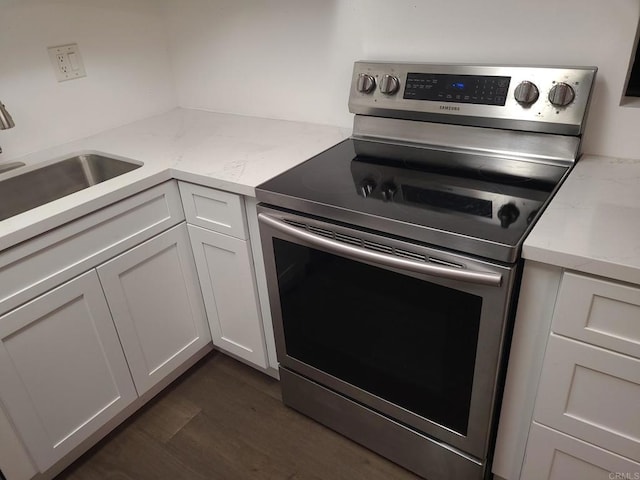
(55, 180)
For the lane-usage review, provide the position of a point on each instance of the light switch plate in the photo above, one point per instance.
(67, 62)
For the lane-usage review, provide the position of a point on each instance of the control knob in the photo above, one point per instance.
(366, 187)
(561, 95)
(388, 191)
(365, 83)
(389, 84)
(508, 214)
(526, 93)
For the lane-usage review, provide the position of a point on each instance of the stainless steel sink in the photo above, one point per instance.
(55, 180)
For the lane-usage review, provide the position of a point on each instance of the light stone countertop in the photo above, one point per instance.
(228, 152)
(592, 225)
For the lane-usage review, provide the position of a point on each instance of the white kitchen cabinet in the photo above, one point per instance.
(15, 462)
(228, 286)
(552, 455)
(592, 394)
(584, 422)
(48, 260)
(538, 292)
(76, 358)
(219, 238)
(599, 312)
(156, 304)
(250, 205)
(63, 373)
(222, 212)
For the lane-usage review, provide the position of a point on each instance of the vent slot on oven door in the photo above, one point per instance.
(348, 239)
(410, 255)
(444, 263)
(369, 245)
(378, 247)
(321, 231)
(293, 223)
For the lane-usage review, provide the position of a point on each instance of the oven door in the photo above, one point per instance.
(412, 332)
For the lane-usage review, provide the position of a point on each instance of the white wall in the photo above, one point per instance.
(287, 59)
(293, 58)
(124, 47)
(274, 58)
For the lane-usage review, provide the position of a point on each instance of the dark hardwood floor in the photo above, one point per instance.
(224, 420)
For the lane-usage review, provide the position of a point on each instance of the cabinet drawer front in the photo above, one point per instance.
(36, 266)
(599, 312)
(63, 374)
(215, 210)
(552, 455)
(592, 394)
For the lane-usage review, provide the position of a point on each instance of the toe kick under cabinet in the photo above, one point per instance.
(586, 420)
(221, 247)
(93, 314)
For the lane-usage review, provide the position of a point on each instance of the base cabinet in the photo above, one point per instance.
(592, 394)
(585, 421)
(220, 240)
(75, 357)
(156, 304)
(63, 373)
(118, 312)
(552, 455)
(228, 286)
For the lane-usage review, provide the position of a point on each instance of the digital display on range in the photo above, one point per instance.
(438, 87)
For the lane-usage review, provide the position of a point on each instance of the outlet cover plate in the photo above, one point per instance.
(67, 62)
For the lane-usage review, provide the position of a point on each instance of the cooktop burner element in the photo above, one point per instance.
(461, 157)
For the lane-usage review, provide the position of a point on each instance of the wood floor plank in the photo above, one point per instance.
(209, 444)
(281, 433)
(130, 454)
(166, 416)
(253, 377)
(224, 420)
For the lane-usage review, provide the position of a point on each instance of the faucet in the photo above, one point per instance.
(5, 119)
(7, 122)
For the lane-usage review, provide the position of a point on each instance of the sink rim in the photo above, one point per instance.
(29, 167)
(74, 156)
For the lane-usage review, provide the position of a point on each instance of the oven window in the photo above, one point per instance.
(408, 341)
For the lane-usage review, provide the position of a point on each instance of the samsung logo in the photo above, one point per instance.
(449, 107)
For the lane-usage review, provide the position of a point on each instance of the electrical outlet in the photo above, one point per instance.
(62, 63)
(67, 62)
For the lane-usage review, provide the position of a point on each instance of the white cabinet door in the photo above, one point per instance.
(592, 394)
(62, 370)
(227, 280)
(156, 304)
(600, 312)
(552, 455)
(15, 462)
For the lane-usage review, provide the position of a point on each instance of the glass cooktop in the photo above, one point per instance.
(483, 205)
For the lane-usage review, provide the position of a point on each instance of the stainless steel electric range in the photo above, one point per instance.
(393, 258)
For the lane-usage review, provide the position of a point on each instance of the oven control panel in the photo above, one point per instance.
(538, 99)
(438, 87)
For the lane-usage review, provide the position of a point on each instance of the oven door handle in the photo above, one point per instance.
(357, 253)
